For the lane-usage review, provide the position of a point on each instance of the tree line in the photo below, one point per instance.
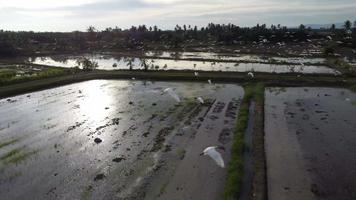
(144, 37)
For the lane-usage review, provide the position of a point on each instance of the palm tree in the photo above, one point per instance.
(144, 64)
(347, 25)
(332, 27)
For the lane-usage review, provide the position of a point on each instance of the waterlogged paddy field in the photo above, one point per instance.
(245, 63)
(310, 143)
(149, 148)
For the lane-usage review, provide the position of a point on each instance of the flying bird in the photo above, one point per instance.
(215, 155)
(172, 94)
(201, 100)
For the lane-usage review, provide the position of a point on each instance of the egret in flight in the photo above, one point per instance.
(201, 100)
(172, 94)
(215, 155)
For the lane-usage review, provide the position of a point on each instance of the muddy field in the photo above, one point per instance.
(310, 143)
(116, 140)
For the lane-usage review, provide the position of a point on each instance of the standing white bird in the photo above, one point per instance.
(201, 100)
(209, 81)
(215, 155)
(196, 74)
(133, 78)
(250, 74)
(172, 94)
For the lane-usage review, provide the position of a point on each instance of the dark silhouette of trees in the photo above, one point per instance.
(141, 38)
(347, 25)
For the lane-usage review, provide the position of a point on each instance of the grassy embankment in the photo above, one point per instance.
(342, 66)
(9, 76)
(53, 78)
(253, 92)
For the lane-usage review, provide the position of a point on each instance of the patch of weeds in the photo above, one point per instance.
(353, 102)
(235, 167)
(163, 188)
(16, 156)
(353, 88)
(181, 153)
(341, 65)
(167, 148)
(6, 143)
(86, 192)
(10, 154)
(160, 138)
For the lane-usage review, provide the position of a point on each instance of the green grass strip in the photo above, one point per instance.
(235, 166)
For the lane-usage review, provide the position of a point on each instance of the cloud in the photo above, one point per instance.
(65, 15)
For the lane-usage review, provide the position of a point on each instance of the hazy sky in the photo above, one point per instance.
(69, 15)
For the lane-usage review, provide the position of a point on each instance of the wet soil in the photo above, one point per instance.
(310, 143)
(87, 141)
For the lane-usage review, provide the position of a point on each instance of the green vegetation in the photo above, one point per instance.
(86, 193)
(8, 76)
(353, 88)
(16, 156)
(143, 37)
(235, 166)
(353, 102)
(343, 66)
(329, 49)
(181, 153)
(163, 188)
(6, 143)
(7, 73)
(87, 64)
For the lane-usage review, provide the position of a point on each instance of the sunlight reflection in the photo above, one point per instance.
(96, 102)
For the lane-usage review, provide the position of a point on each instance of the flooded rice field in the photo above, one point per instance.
(235, 57)
(310, 143)
(116, 140)
(110, 62)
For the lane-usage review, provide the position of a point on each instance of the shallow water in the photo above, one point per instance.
(234, 57)
(310, 143)
(51, 136)
(108, 62)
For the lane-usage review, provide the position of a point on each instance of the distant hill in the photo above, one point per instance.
(324, 26)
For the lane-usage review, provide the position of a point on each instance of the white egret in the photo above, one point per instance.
(201, 100)
(250, 74)
(215, 155)
(172, 94)
(209, 81)
(133, 78)
(196, 74)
